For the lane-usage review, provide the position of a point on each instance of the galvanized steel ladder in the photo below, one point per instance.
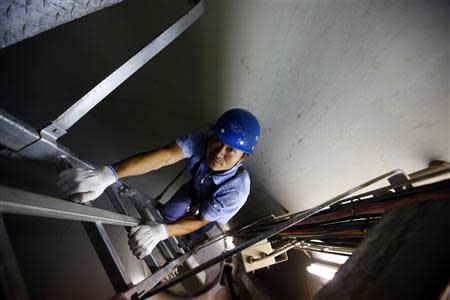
(21, 140)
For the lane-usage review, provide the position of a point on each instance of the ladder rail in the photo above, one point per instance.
(439, 190)
(21, 140)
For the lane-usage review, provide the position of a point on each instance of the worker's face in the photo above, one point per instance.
(222, 157)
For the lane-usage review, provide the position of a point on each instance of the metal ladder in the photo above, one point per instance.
(20, 140)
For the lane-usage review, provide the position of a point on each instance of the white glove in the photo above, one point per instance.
(82, 185)
(143, 239)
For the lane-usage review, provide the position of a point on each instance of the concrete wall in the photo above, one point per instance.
(345, 90)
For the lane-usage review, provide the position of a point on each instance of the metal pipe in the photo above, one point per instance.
(359, 208)
(275, 230)
(339, 250)
(20, 202)
(433, 167)
(269, 233)
(353, 190)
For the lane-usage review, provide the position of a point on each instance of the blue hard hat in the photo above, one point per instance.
(239, 129)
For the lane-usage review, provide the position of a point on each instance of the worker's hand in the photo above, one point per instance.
(82, 185)
(143, 239)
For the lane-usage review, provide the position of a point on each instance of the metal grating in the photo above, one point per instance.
(21, 19)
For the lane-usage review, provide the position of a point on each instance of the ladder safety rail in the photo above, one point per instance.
(16, 201)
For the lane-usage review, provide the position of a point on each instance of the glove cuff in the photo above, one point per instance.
(111, 168)
(164, 231)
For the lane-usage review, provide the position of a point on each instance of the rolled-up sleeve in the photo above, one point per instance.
(190, 144)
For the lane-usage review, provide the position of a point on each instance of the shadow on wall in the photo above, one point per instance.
(41, 77)
(175, 93)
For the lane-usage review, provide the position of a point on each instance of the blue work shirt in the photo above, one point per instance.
(231, 193)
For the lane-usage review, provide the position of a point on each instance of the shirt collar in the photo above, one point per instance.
(221, 177)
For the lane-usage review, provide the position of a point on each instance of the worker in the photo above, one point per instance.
(218, 189)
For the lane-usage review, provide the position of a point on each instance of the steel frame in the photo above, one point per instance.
(21, 140)
(15, 201)
(67, 119)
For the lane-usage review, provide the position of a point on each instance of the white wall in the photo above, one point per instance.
(345, 90)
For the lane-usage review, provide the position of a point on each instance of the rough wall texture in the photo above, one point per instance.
(21, 19)
(345, 90)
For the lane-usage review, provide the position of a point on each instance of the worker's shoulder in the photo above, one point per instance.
(240, 182)
(194, 137)
(193, 144)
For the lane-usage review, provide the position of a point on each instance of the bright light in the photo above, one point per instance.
(323, 271)
(329, 258)
(229, 243)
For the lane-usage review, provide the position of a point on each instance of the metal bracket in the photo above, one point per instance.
(52, 132)
(67, 119)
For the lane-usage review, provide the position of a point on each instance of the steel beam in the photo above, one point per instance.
(16, 201)
(67, 119)
(21, 202)
(22, 140)
(15, 134)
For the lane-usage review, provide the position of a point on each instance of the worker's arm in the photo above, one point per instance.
(149, 161)
(186, 225)
(82, 185)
